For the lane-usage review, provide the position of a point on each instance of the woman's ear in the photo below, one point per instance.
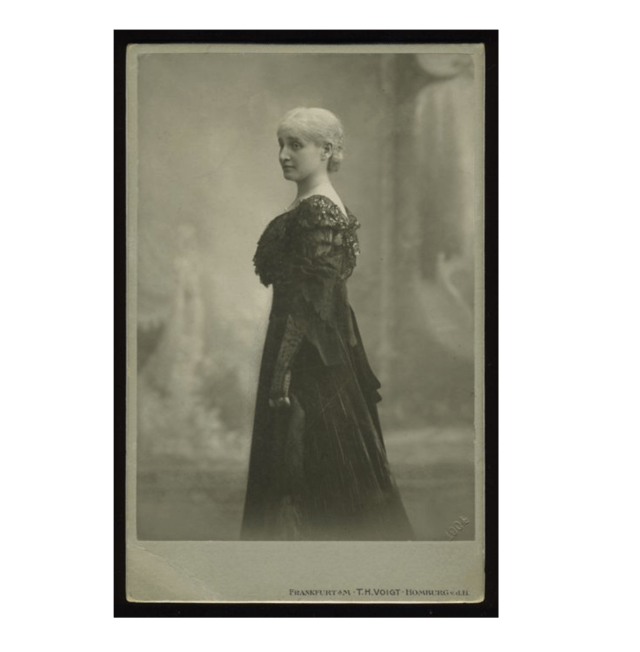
(327, 151)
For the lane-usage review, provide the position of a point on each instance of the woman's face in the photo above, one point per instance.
(299, 156)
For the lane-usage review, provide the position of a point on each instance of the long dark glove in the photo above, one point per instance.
(291, 341)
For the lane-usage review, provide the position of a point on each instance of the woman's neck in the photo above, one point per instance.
(308, 187)
(323, 187)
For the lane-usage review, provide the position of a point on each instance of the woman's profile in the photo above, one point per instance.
(318, 468)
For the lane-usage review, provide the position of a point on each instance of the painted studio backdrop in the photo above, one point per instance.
(208, 184)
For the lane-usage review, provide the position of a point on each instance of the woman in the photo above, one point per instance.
(318, 467)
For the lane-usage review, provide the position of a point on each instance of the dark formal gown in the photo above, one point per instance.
(318, 468)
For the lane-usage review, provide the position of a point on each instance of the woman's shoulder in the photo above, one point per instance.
(318, 211)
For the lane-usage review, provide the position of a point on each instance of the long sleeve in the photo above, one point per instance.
(291, 341)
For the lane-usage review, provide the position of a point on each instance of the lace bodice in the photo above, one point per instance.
(316, 231)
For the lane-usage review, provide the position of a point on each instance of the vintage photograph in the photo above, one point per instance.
(305, 326)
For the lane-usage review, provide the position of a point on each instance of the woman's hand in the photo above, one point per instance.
(283, 401)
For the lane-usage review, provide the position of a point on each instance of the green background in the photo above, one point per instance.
(568, 145)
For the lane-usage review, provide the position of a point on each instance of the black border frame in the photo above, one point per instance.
(487, 608)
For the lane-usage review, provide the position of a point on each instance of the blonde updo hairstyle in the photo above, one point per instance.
(320, 126)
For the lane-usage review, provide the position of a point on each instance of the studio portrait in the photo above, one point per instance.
(307, 246)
